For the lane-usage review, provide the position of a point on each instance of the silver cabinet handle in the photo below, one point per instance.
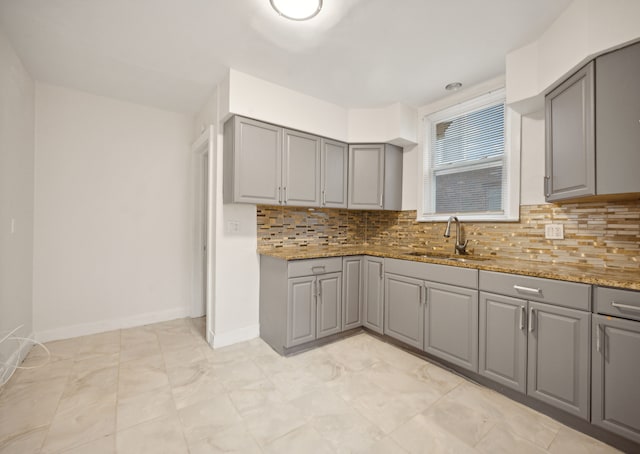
(381, 195)
(421, 295)
(324, 197)
(546, 186)
(523, 312)
(279, 194)
(319, 285)
(531, 319)
(598, 337)
(381, 272)
(285, 195)
(317, 269)
(625, 307)
(534, 291)
(426, 295)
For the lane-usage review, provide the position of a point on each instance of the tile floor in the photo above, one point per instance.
(160, 389)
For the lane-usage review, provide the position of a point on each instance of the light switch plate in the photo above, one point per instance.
(554, 231)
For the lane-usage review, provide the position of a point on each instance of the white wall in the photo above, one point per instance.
(113, 214)
(532, 159)
(16, 198)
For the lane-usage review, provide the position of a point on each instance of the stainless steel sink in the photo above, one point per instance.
(453, 258)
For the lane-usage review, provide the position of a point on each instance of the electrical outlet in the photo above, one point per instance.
(554, 231)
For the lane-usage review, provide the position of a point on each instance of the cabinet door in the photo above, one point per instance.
(256, 162)
(451, 324)
(617, 117)
(403, 317)
(335, 156)
(329, 304)
(301, 169)
(503, 340)
(570, 144)
(301, 310)
(373, 294)
(366, 176)
(616, 376)
(558, 357)
(352, 289)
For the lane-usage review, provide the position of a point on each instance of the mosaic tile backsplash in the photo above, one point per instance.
(599, 234)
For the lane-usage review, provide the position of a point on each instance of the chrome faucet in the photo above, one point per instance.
(460, 247)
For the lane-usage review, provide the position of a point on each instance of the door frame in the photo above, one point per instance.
(203, 151)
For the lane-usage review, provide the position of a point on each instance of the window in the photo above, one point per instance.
(467, 167)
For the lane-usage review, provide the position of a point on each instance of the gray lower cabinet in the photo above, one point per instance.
(300, 169)
(375, 177)
(352, 292)
(333, 171)
(451, 324)
(615, 359)
(373, 297)
(403, 307)
(503, 340)
(558, 357)
(300, 300)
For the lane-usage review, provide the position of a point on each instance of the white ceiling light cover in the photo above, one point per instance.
(297, 9)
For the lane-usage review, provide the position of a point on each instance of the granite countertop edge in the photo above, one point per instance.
(607, 277)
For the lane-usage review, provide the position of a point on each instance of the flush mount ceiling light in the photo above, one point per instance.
(297, 9)
(453, 86)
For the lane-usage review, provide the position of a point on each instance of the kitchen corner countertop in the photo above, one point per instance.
(627, 279)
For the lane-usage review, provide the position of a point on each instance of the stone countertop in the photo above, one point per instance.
(627, 279)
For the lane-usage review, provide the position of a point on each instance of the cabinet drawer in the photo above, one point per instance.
(310, 267)
(559, 293)
(444, 274)
(621, 303)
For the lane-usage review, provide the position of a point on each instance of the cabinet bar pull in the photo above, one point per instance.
(381, 272)
(279, 194)
(546, 186)
(285, 195)
(422, 294)
(530, 319)
(317, 269)
(598, 337)
(522, 316)
(535, 291)
(625, 307)
(426, 295)
(319, 285)
(324, 197)
(381, 200)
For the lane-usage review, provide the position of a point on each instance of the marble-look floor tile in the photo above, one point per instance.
(241, 375)
(236, 439)
(303, 439)
(321, 402)
(420, 435)
(98, 345)
(273, 421)
(500, 440)
(51, 370)
(160, 435)
(569, 441)
(138, 335)
(384, 446)
(182, 357)
(58, 350)
(437, 378)
(139, 350)
(79, 425)
(251, 401)
(103, 445)
(24, 443)
(144, 407)
(347, 432)
(209, 417)
(24, 407)
(192, 383)
(142, 375)
(295, 383)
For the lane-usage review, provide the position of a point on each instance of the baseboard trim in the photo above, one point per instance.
(16, 358)
(235, 336)
(84, 329)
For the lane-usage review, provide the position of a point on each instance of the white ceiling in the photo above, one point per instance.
(355, 53)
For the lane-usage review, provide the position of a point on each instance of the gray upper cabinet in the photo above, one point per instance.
(451, 324)
(570, 144)
(593, 129)
(618, 121)
(403, 302)
(301, 169)
(352, 292)
(252, 162)
(375, 177)
(373, 310)
(333, 171)
(616, 376)
(503, 340)
(329, 304)
(558, 357)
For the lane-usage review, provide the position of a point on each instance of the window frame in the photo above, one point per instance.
(510, 161)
